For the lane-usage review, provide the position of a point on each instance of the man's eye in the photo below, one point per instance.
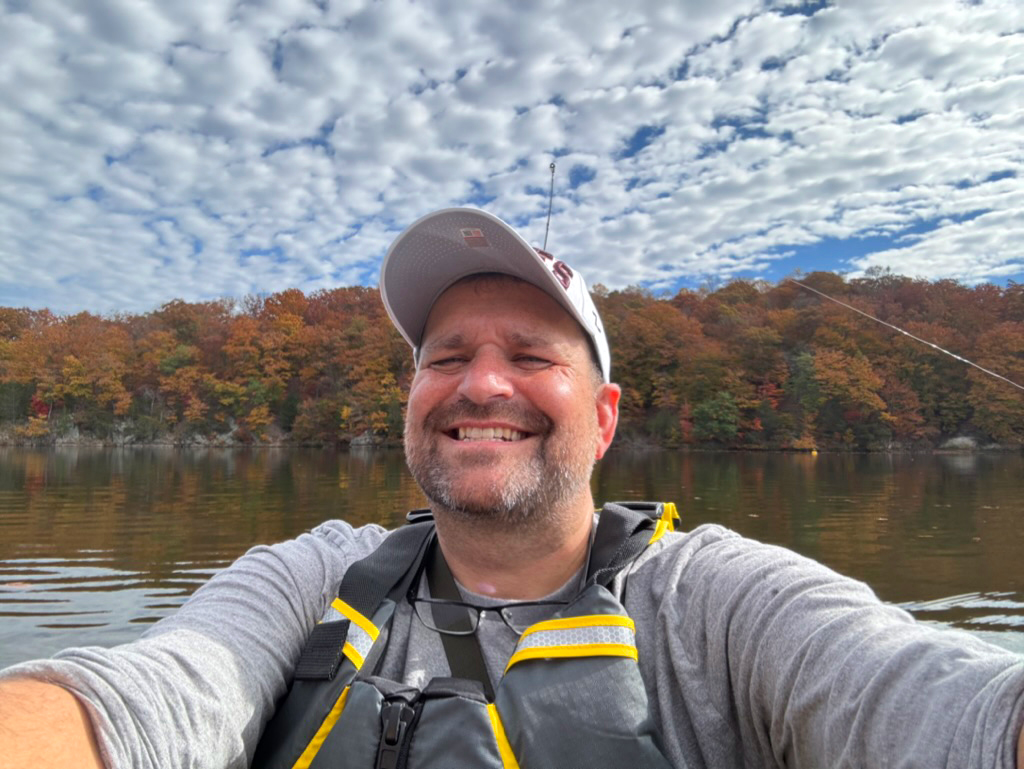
(445, 364)
(532, 361)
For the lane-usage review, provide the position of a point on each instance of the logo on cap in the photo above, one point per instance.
(473, 237)
(559, 269)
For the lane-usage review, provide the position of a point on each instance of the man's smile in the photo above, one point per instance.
(487, 434)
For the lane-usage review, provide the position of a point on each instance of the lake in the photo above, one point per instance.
(95, 544)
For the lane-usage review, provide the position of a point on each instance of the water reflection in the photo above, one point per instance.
(96, 543)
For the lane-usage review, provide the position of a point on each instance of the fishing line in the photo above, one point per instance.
(551, 199)
(907, 333)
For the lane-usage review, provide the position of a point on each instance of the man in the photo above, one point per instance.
(747, 655)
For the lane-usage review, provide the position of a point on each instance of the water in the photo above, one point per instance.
(96, 544)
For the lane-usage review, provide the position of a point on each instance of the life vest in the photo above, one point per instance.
(571, 695)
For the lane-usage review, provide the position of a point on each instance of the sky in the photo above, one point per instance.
(199, 149)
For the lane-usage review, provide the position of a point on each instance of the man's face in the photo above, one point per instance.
(506, 413)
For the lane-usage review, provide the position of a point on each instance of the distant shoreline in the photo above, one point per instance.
(956, 445)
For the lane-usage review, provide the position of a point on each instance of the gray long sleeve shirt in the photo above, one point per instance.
(753, 656)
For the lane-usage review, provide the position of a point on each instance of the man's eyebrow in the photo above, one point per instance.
(456, 341)
(526, 340)
(449, 342)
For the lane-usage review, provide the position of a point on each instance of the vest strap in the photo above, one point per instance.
(369, 581)
(622, 534)
(323, 652)
(465, 659)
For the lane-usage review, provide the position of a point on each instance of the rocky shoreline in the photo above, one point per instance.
(123, 437)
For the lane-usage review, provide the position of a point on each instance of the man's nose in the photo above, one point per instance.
(486, 377)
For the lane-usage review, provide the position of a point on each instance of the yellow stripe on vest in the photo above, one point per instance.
(353, 654)
(508, 758)
(589, 620)
(361, 633)
(368, 627)
(573, 650)
(321, 734)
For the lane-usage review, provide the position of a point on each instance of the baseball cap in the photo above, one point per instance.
(448, 245)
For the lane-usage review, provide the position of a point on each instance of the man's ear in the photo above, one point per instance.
(607, 404)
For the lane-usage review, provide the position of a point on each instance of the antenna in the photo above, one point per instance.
(551, 199)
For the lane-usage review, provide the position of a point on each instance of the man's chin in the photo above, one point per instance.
(482, 499)
(491, 498)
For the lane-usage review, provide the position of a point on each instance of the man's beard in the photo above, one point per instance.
(531, 492)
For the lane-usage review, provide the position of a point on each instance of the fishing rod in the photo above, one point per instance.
(907, 333)
(551, 199)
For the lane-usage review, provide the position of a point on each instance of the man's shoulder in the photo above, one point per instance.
(710, 545)
(680, 546)
(343, 534)
(332, 546)
(714, 560)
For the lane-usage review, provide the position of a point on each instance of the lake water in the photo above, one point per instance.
(96, 544)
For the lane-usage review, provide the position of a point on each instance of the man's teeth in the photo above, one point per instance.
(489, 434)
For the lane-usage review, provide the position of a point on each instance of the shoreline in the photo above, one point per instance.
(955, 446)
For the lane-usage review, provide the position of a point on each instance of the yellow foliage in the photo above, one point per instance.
(37, 427)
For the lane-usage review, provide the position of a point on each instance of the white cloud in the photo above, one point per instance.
(151, 150)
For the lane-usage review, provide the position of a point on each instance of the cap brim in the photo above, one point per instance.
(445, 246)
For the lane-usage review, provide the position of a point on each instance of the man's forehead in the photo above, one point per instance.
(454, 340)
(524, 317)
(521, 307)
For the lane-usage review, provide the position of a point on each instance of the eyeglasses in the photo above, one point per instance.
(458, 618)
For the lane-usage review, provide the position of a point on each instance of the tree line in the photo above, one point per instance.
(749, 364)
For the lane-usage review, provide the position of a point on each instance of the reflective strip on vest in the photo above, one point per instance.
(508, 758)
(314, 745)
(596, 635)
(361, 632)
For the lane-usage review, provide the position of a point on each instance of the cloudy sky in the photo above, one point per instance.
(205, 148)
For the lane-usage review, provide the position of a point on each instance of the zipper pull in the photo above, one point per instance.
(395, 717)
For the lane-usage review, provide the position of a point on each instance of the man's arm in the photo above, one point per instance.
(43, 725)
(198, 687)
(795, 660)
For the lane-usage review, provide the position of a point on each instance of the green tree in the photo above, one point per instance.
(717, 419)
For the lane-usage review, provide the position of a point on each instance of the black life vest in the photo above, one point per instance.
(571, 695)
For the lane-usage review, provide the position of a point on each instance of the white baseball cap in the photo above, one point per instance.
(447, 245)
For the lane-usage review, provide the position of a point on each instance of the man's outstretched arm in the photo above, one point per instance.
(43, 725)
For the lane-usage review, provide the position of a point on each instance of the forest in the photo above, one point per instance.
(746, 365)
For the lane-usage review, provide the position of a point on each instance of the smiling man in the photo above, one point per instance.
(503, 415)
(506, 418)
(513, 626)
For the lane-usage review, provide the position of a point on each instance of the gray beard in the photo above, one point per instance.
(534, 494)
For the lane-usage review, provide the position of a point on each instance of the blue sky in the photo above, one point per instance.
(213, 148)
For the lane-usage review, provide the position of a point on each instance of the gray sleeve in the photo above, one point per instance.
(197, 688)
(765, 658)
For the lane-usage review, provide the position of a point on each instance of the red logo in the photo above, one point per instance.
(563, 272)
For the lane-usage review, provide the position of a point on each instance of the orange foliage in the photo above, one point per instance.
(751, 364)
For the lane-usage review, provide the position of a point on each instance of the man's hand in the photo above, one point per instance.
(43, 725)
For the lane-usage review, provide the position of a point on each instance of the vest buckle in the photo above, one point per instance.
(396, 717)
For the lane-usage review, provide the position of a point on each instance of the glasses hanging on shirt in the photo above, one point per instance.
(452, 616)
(461, 618)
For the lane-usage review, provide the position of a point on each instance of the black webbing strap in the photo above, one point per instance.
(369, 581)
(465, 660)
(622, 534)
(322, 655)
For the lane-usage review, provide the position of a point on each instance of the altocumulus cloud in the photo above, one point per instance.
(204, 148)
